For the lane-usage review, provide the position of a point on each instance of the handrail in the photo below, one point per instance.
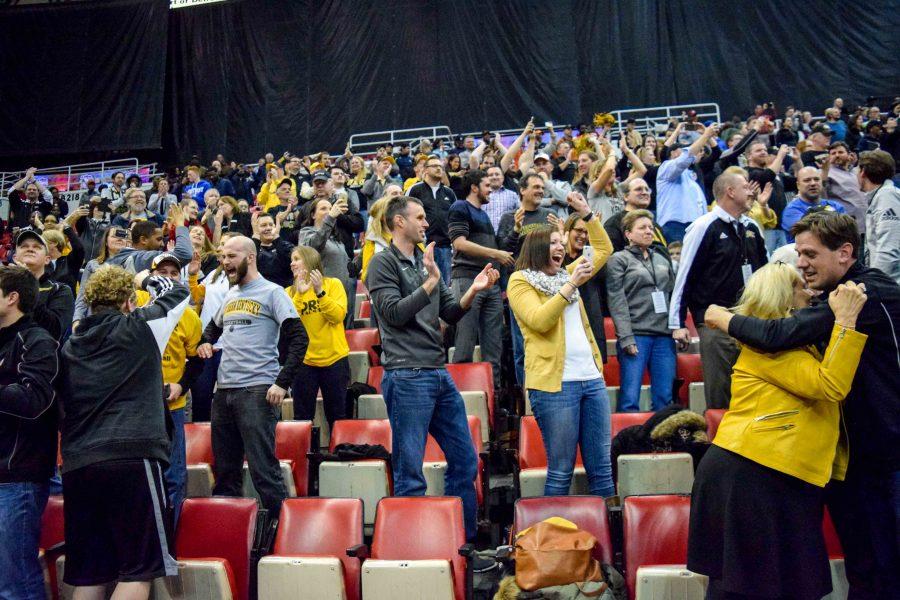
(649, 119)
(71, 178)
(360, 144)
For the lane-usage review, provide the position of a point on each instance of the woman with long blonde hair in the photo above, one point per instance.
(378, 237)
(758, 495)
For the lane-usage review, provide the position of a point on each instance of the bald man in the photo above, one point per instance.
(257, 318)
(809, 197)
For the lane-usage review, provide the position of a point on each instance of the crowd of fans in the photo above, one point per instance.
(224, 288)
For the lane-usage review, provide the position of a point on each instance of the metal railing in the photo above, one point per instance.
(69, 178)
(367, 143)
(656, 119)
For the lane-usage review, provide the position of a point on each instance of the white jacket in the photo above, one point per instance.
(883, 230)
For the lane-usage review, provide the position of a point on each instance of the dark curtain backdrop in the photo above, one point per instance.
(82, 77)
(248, 76)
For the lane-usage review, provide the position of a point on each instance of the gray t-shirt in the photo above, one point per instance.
(250, 318)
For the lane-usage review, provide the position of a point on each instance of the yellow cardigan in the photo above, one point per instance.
(785, 409)
(540, 317)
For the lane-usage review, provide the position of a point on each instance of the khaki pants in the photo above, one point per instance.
(718, 352)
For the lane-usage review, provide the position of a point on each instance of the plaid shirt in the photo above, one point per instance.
(501, 201)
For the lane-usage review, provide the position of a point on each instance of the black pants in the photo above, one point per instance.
(243, 423)
(332, 380)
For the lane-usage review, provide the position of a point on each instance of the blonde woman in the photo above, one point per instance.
(563, 365)
(114, 240)
(582, 179)
(378, 237)
(66, 253)
(758, 497)
(321, 303)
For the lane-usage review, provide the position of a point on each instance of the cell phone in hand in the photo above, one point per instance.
(588, 253)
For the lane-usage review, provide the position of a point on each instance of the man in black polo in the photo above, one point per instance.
(722, 248)
(55, 303)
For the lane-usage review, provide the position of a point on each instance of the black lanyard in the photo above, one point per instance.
(651, 269)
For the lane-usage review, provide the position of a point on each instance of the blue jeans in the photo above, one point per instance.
(21, 507)
(444, 258)
(578, 415)
(176, 474)
(518, 348)
(203, 389)
(423, 401)
(775, 239)
(673, 231)
(865, 508)
(656, 352)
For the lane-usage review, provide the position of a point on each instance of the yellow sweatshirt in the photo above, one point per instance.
(324, 321)
(182, 344)
(267, 197)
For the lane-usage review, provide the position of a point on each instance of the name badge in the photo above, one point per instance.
(746, 272)
(659, 302)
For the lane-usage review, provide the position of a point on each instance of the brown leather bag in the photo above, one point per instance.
(555, 552)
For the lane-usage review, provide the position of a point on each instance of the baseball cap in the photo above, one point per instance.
(823, 129)
(873, 123)
(541, 156)
(29, 233)
(321, 175)
(165, 257)
(388, 158)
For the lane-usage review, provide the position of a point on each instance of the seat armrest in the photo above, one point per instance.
(359, 551)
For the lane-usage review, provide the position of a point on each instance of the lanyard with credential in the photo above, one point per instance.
(657, 296)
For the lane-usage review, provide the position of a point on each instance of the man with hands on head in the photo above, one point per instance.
(409, 299)
(865, 506)
(250, 383)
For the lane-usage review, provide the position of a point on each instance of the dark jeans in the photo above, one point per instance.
(21, 507)
(243, 423)
(518, 347)
(423, 401)
(482, 323)
(332, 380)
(718, 351)
(865, 508)
(673, 231)
(203, 389)
(577, 415)
(656, 353)
(443, 257)
(350, 319)
(176, 473)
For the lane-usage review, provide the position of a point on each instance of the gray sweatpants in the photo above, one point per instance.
(482, 324)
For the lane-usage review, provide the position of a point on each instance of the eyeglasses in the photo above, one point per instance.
(579, 231)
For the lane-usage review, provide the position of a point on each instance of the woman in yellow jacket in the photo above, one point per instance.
(321, 303)
(757, 502)
(563, 365)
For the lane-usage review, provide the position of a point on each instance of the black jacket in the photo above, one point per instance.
(111, 383)
(28, 411)
(437, 208)
(872, 409)
(55, 307)
(274, 261)
(67, 268)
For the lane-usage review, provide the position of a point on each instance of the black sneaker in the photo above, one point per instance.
(483, 565)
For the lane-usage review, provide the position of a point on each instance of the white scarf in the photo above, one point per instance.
(550, 285)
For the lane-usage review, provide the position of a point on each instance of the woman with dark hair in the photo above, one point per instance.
(563, 365)
(319, 217)
(854, 130)
(454, 172)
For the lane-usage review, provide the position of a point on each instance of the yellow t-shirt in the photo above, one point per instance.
(182, 344)
(324, 321)
(410, 182)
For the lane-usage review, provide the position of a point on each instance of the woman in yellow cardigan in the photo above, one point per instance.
(757, 502)
(321, 303)
(563, 366)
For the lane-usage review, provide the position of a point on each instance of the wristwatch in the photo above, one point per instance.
(320, 294)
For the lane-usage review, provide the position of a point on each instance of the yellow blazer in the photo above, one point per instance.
(540, 317)
(785, 409)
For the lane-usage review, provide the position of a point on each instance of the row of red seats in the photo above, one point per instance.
(655, 532)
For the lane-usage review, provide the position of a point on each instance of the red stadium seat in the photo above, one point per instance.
(588, 512)
(361, 287)
(361, 431)
(475, 377)
(293, 442)
(609, 328)
(655, 533)
(832, 542)
(364, 340)
(365, 310)
(374, 378)
(198, 443)
(314, 527)
(713, 419)
(219, 529)
(612, 375)
(619, 421)
(689, 368)
(422, 528)
(52, 538)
